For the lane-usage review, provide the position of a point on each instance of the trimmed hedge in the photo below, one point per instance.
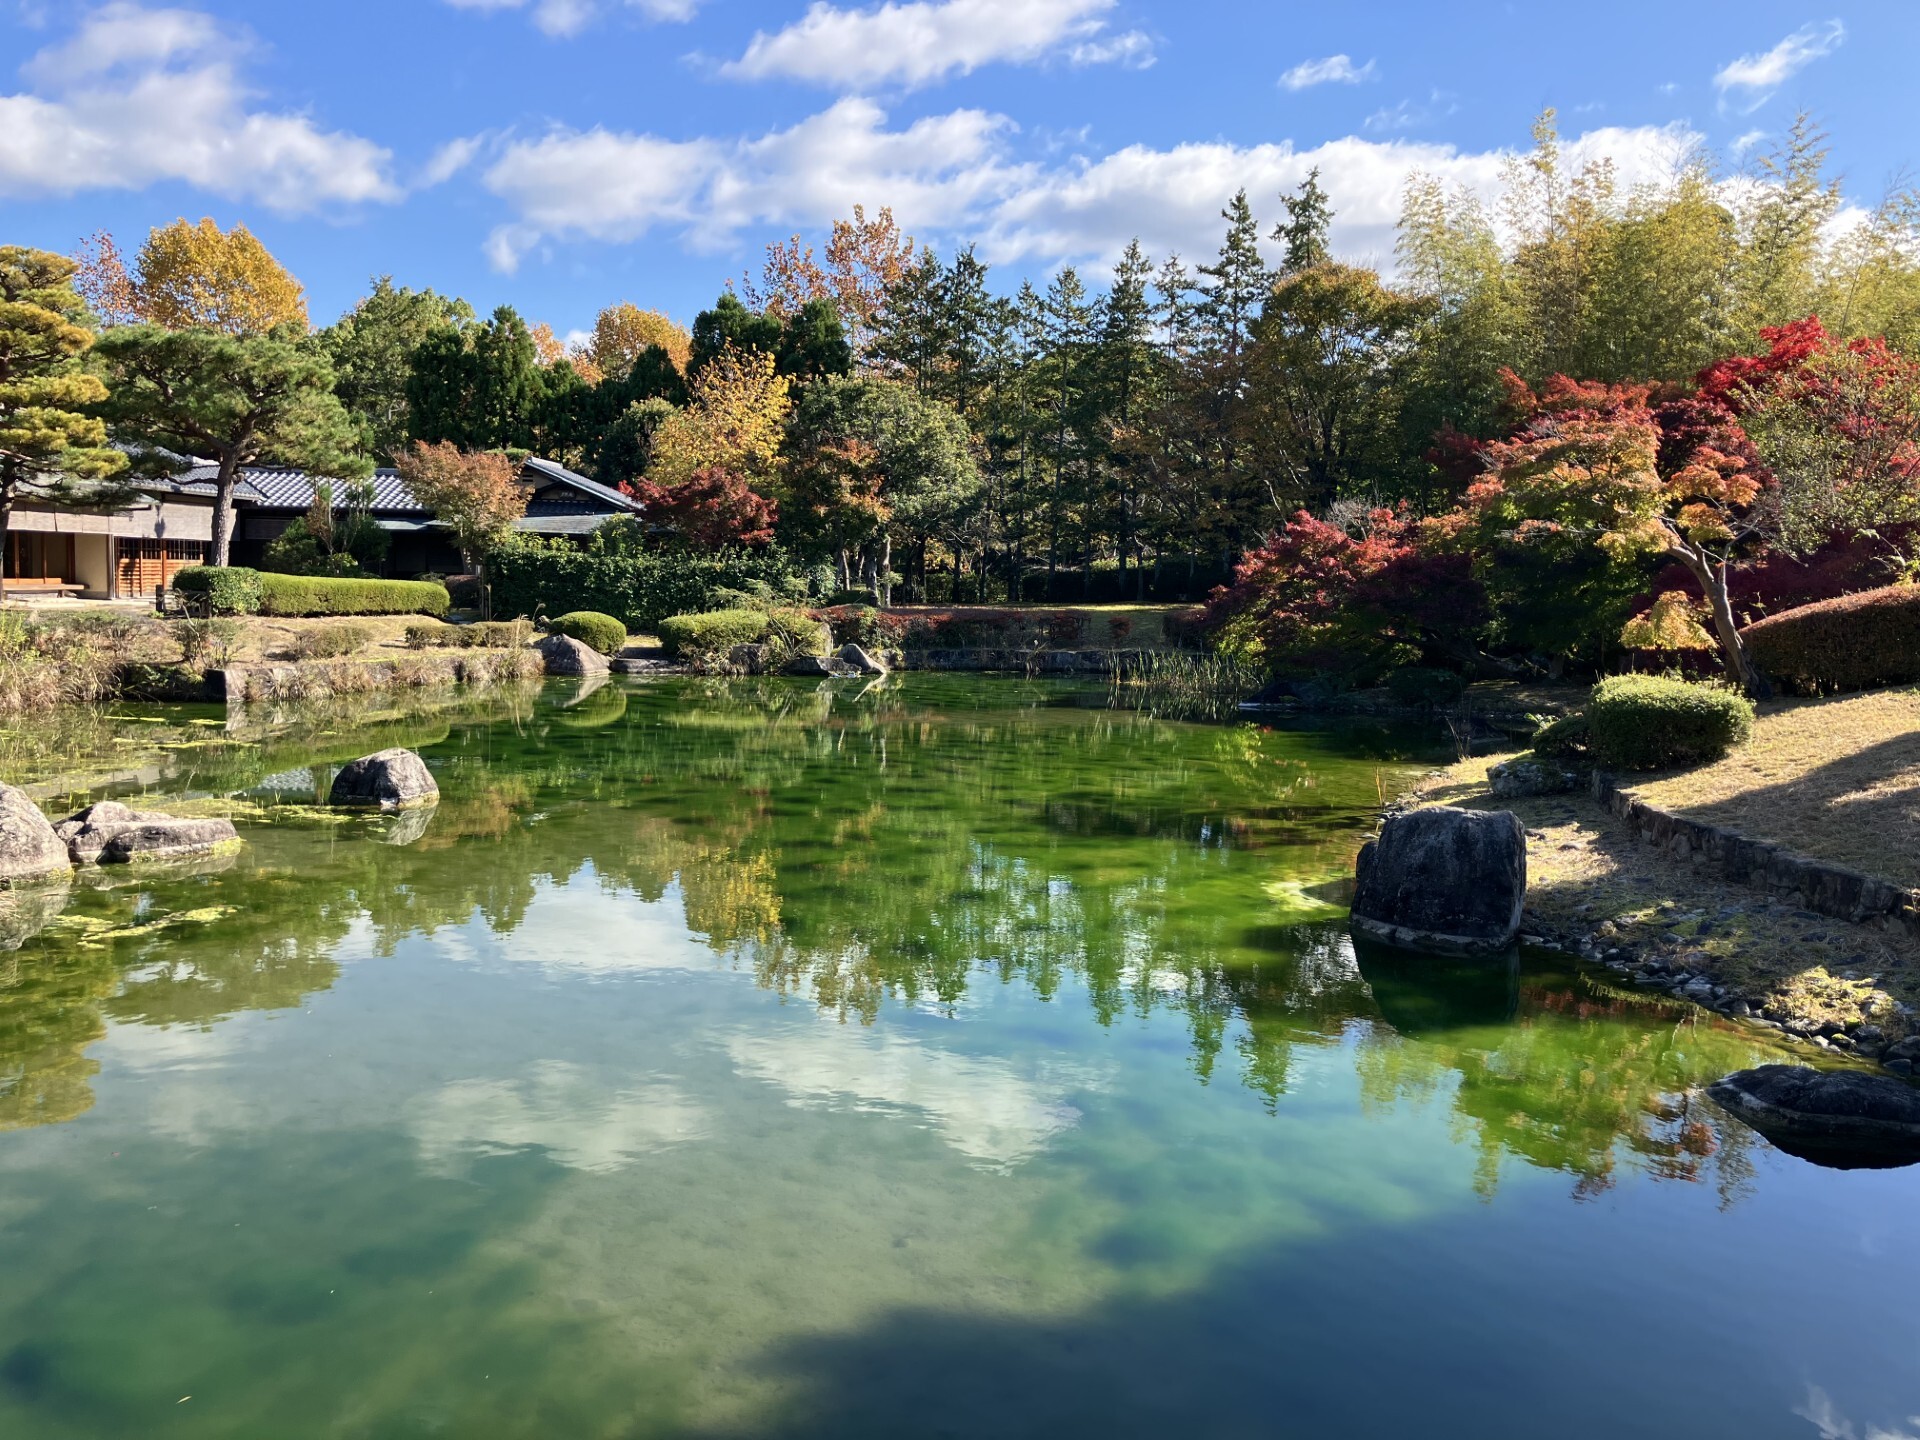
(591, 628)
(715, 632)
(326, 595)
(1643, 722)
(1853, 643)
(481, 635)
(638, 589)
(218, 589)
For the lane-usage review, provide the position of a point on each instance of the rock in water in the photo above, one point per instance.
(1443, 879)
(392, 779)
(88, 831)
(861, 661)
(564, 655)
(820, 666)
(162, 837)
(29, 848)
(1841, 1118)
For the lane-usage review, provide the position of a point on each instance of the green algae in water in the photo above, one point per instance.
(958, 1057)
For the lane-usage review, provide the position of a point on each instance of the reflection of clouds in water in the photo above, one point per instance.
(559, 1108)
(582, 927)
(979, 1106)
(1832, 1425)
(168, 1047)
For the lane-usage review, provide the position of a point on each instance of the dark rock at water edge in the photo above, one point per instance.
(1842, 1118)
(564, 655)
(391, 779)
(1443, 879)
(87, 831)
(30, 850)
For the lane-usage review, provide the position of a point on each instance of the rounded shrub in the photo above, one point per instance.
(712, 633)
(1568, 738)
(1643, 722)
(591, 628)
(218, 589)
(1854, 642)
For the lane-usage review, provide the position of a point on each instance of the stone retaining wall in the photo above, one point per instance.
(312, 679)
(1024, 662)
(1812, 884)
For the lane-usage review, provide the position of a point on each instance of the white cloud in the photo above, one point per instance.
(140, 96)
(1334, 70)
(601, 185)
(1756, 77)
(450, 159)
(1746, 142)
(561, 18)
(924, 41)
(956, 178)
(1409, 115)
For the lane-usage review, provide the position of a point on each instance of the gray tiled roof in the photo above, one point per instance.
(281, 487)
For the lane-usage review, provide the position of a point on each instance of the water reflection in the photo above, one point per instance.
(857, 849)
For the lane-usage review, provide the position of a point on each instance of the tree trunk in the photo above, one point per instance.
(1734, 660)
(223, 484)
(6, 526)
(883, 569)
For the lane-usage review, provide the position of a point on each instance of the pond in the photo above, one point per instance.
(948, 1057)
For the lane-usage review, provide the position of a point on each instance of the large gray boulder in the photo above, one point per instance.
(1844, 1118)
(29, 848)
(1444, 879)
(87, 831)
(861, 660)
(391, 779)
(564, 655)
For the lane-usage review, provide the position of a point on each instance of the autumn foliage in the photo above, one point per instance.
(710, 509)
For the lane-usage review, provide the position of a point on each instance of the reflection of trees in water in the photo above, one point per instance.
(854, 852)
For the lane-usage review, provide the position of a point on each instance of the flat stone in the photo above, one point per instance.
(1443, 879)
(88, 831)
(1843, 1118)
(564, 655)
(1516, 778)
(30, 850)
(165, 838)
(391, 779)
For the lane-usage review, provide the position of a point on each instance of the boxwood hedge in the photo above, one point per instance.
(327, 595)
(637, 588)
(590, 627)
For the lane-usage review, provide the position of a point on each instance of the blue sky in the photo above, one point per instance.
(558, 155)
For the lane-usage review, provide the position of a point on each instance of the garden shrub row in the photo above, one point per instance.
(637, 588)
(1854, 642)
(236, 590)
(1646, 722)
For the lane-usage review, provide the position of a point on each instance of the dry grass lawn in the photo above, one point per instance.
(1587, 871)
(272, 637)
(1838, 779)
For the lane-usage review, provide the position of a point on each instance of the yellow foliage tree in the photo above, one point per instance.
(622, 333)
(198, 277)
(734, 418)
(1672, 622)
